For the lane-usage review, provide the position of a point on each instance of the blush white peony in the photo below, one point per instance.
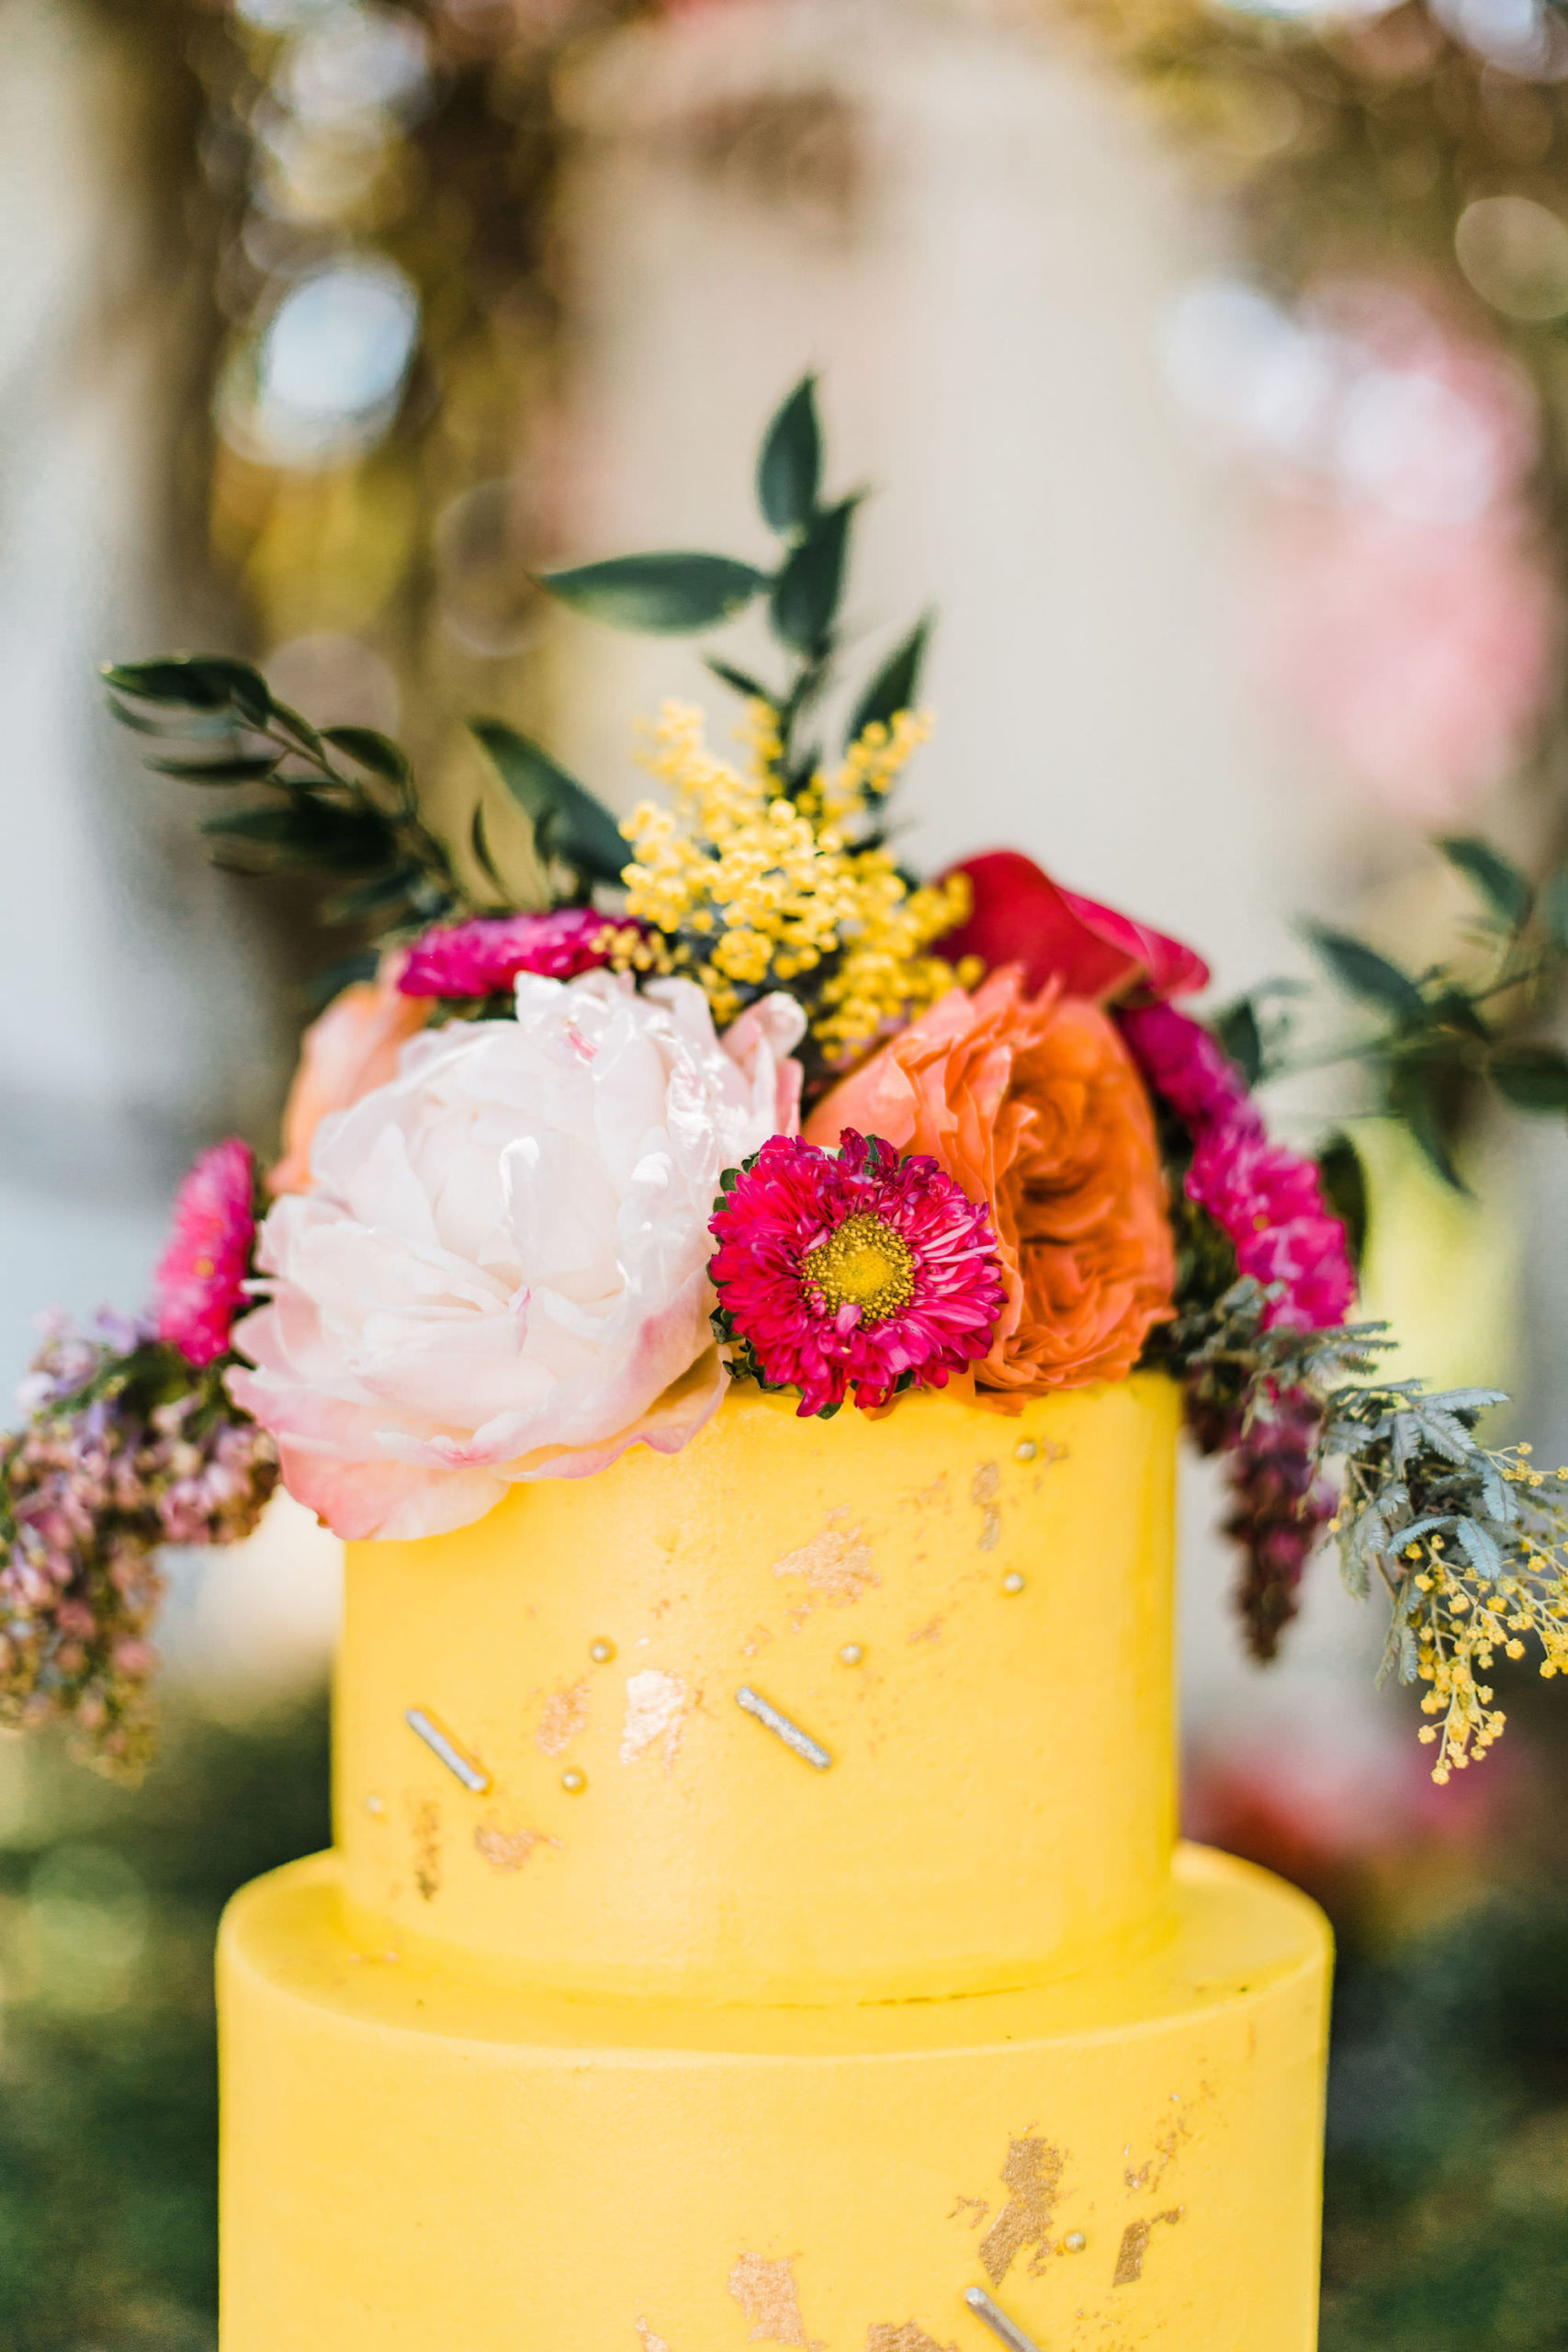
(501, 1269)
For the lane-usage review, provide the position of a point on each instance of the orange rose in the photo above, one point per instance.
(1032, 1103)
(353, 1047)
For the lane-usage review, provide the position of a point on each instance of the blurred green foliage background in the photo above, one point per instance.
(109, 1901)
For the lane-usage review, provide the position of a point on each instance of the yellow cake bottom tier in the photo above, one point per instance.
(440, 2163)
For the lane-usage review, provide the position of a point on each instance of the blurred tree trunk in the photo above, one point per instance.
(138, 1007)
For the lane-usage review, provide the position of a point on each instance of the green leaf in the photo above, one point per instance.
(1485, 1552)
(568, 821)
(669, 594)
(218, 726)
(308, 832)
(1414, 1096)
(236, 770)
(1554, 908)
(1505, 890)
(895, 684)
(789, 472)
(1363, 972)
(319, 990)
(1237, 1030)
(478, 840)
(1344, 1188)
(1533, 1078)
(372, 751)
(200, 681)
(378, 894)
(741, 682)
(291, 723)
(807, 592)
(1452, 1008)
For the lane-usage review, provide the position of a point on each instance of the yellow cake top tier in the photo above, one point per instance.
(861, 1709)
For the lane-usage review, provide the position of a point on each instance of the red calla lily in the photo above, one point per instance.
(1021, 916)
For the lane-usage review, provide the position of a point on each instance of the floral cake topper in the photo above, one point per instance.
(727, 1092)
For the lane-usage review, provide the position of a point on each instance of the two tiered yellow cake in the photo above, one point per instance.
(755, 1919)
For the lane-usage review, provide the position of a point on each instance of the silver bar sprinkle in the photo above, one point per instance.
(791, 1734)
(997, 2322)
(472, 1775)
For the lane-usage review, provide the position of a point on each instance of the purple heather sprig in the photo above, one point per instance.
(126, 1448)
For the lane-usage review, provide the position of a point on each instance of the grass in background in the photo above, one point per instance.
(108, 1906)
(1447, 2209)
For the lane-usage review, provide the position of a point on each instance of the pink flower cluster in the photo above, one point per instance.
(1267, 1200)
(852, 1270)
(201, 1276)
(94, 1482)
(483, 958)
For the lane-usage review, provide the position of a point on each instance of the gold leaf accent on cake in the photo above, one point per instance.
(1135, 2245)
(907, 2339)
(836, 1563)
(768, 2297)
(649, 2342)
(975, 2207)
(984, 1488)
(427, 1848)
(565, 1715)
(1032, 2173)
(508, 1849)
(1152, 2171)
(656, 1704)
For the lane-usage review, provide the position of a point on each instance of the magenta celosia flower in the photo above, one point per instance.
(1269, 1202)
(1184, 1064)
(852, 1271)
(201, 1276)
(483, 958)
(1266, 1199)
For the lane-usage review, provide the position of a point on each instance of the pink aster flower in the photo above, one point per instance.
(201, 1276)
(853, 1270)
(1266, 1199)
(483, 958)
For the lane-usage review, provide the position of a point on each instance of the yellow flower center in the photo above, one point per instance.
(864, 1264)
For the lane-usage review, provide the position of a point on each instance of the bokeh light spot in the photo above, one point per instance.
(1515, 254)
(331, 364)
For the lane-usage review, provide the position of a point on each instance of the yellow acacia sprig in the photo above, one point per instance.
(1471, 1543)
(1461, 1618)
(751, 888)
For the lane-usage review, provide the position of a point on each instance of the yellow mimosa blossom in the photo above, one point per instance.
(1465, 1618)
(749, 887)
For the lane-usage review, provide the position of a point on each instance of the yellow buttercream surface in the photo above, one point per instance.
(419, 2154)
(968, 1613)
(766, 1929)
